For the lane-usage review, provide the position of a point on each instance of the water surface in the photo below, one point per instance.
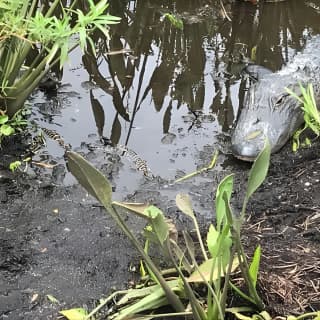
(167, 93)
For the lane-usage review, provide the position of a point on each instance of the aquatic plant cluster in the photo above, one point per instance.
(192, 262)
(34, 37)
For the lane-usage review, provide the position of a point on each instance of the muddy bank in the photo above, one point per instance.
(56, 240)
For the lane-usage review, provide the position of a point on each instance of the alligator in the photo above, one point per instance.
(39, 141)
(269, 111)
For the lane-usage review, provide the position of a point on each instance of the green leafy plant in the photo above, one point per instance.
(26, 30)
(191, 265)
(15, 165)
(311, 115)
(174, 20)
(10, 126)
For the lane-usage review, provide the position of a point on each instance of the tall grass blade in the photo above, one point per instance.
(259, 170)
(254, 267)
(225, 186)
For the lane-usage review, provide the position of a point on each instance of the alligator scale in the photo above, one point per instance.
(269, 111)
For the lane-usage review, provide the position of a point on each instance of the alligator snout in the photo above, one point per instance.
(250, 145)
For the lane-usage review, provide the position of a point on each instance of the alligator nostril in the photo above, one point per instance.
(253, 134)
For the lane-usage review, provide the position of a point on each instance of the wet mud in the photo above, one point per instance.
(57, 240)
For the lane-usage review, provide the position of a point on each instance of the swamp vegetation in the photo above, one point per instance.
(177, 54)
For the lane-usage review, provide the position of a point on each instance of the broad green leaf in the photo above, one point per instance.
(152, 212)
(74, 314)
(3, 119)
(226, 243)
(259, 170)
(149, 234)
(14, 165)
(254, 267)
(90, 178)
(159, 224)
(138, 208)
(6, 130)
(212, 240)
(205, 270)
(184, 204)
(219, 244)
(225, 186)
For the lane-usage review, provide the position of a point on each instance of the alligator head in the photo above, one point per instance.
(268, 112)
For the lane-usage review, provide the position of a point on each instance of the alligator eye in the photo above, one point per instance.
(280, 99)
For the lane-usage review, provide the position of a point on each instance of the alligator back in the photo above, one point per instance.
(269, 111)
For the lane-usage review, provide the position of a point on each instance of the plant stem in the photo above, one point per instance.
(173, 299)
(200, 239)
(244, 266)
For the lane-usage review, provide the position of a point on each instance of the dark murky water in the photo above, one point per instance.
(171, 92)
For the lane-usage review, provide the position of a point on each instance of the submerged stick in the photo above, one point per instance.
(209, 167)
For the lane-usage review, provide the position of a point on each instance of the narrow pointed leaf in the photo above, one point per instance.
(259, 170)
(225, 186)
(254, 267)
